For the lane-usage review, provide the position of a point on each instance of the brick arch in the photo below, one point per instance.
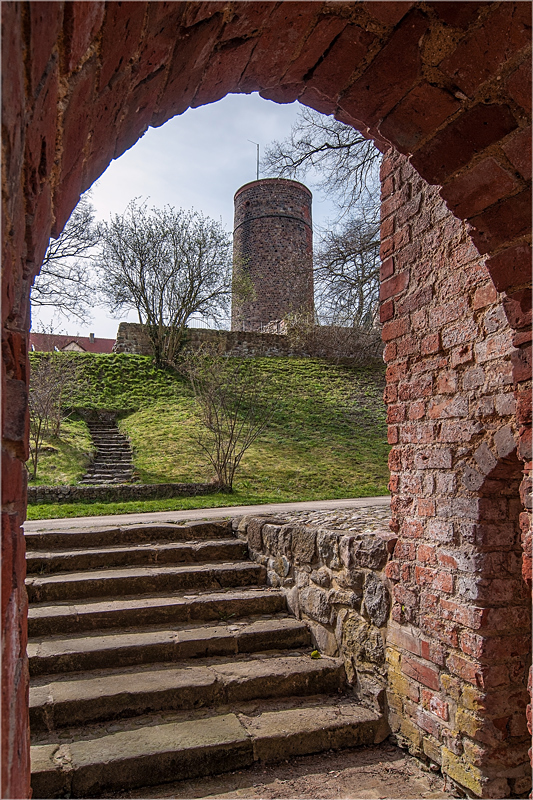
(446, 83)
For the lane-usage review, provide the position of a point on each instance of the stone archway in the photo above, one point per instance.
(445, 83)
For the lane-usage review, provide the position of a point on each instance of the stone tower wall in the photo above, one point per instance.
(273, 252)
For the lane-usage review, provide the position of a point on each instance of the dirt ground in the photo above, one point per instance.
(365, 773)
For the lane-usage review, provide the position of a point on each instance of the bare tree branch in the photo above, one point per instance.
(66, 280)
(347, 164)
(347, 268)
(167, 264)
(232, 407)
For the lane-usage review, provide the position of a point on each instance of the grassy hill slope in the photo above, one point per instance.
(327, 438)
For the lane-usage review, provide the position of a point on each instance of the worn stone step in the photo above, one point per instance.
(113, 450)
(134, 755)
(149, 645)
(107, 481)
(48, 620)
(142, 580)
(109, 461)
(98, 480)
(108, 472)
(111, 694)
(162, 553)
(131, 534)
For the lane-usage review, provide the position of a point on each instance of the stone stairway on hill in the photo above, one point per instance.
(113, 460)
(157, 653)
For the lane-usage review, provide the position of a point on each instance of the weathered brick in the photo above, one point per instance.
(434, 458)
(333, 73)
(445, 407)
(373, 95)
(457, 335)
(459, 15)
(461, 355)
(484, 296)
(81, 23)
(511, 267)
(420, 112)
(277, 46)
(485, 49)
(501, 223)
(469, 134)
(394, 286)
(519, 85)
(454, 431)
(517, 148)
(480, 187)
(423, 673)
(518, 309)
(394, 329)
(386, 311)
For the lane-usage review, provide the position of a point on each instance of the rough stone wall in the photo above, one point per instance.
(449, 83)
(333, 577)
(131, 339)
(115, 492)
(459, 638)
(344, 344)
(272, 253)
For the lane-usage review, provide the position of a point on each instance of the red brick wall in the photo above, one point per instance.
(273, 249)
(447, 82)
(460, 633)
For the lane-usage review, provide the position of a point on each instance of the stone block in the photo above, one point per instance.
(270, 534)
(466, 775)
(303, 544)
(323, 639)
(253, 532)
(328, 548)
(322, 577)
(376, 600)
(314, 603)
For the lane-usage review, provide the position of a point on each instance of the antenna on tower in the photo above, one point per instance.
(257, 145)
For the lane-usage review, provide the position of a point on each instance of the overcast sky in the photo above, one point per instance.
(195, 161)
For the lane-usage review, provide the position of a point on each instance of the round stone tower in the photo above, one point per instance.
(272, 253)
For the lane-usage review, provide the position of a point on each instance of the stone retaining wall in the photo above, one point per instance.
(118, 492)
(333, 579)
(132, 339)
(327, 341)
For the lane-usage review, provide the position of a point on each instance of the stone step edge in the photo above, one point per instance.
(154, 754)
(132, 534)
(148, 578)
(90, 697)
(95, 615)
(57, 561)
(69, 655)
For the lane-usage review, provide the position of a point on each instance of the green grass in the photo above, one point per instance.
(327, 438)
(64, 458)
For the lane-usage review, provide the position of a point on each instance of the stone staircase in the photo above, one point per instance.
(157, 653)
(113, 460)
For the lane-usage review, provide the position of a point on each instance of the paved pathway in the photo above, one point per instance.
(116, 520)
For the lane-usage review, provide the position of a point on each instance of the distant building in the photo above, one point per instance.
(48, 342)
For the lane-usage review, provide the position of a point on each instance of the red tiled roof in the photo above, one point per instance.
(46, 342)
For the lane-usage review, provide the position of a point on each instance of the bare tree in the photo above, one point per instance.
(344, 162)
(345, 166)
(234, 410)
(55, 380)
(67, 281)
(347, 268)
(167, 264)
